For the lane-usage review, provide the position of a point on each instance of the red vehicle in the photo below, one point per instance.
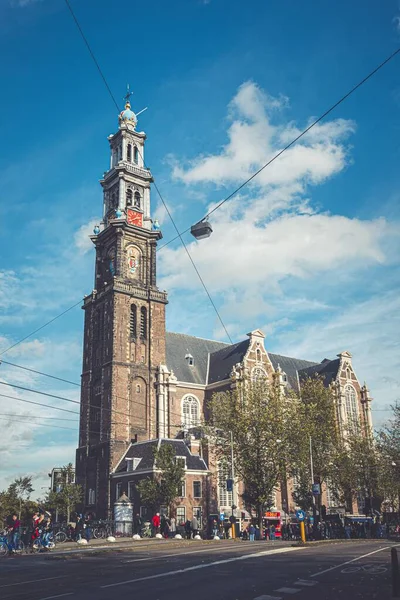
(274, 518)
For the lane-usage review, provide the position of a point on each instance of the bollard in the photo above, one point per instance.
(395, 574)
(302, 532)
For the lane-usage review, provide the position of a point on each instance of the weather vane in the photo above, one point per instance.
(128, 93)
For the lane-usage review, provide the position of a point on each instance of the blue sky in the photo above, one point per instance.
(309, 252)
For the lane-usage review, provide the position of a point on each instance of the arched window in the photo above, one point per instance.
(129, 153)
(348, 373)
(129, 196)
(350, 402)
(190, 412)
(135, 154)
(138, 388)
(258, 355)
(133, 321)
(136, 202)
(143, 323)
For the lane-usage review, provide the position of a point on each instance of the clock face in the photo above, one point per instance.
(134, 218)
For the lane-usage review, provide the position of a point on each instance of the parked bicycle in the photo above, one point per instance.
(102, 530)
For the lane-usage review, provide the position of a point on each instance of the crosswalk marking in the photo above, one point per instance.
(288, 590)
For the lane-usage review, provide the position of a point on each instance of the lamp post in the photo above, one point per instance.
(233, 486)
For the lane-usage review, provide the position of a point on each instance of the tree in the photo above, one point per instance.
(258, 416)
(315, 421)
(388, 443)
(21, 488)
(165, 486)
(70, 493)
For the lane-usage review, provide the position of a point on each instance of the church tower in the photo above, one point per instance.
(124, 334)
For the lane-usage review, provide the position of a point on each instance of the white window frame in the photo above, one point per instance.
(180, 520)
(131, 488)
(225, 498)
(118, 491)
(177, 458)
(351, 406)
(182, 489)
(258, 373)
(201, 488)
(190, 415)
(91, 497)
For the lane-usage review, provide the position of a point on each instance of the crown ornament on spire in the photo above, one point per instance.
(127, 116)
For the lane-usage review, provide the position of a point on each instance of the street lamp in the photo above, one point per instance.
(201, 230)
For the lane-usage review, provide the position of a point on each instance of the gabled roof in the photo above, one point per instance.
(178, 345)
(328, 369)
(222, 361)
(290, 366)
(145, 451)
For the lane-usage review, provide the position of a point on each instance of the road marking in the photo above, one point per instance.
(348, 562)
(305, 583)
(268, 597)
(287, 590)
(210, 550)
(58, 596)
(205, 566)
(32, 581)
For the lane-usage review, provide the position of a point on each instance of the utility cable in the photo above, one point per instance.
(296, 139)
(74, 412)
(40, 328)
(39, 372)
(38, 417)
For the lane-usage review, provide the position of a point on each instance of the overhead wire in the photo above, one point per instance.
(154, 183)
(39, 372)
(40, 328)
(26, 401)
(296, 139)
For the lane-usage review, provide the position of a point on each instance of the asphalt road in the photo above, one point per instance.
(224, 570)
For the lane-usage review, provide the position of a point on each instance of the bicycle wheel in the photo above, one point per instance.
(36, 545)
(96, 532)
(3, 549)
(61, 537)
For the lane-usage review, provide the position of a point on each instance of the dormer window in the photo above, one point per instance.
(189, 359)
(181, 461)
(132, 464)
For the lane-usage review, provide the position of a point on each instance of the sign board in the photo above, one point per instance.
(301, 515)
(222, 516)
(316, 489)
(272, 514)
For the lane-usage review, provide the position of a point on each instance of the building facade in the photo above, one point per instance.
(141, 385)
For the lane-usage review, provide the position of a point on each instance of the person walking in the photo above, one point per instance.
(188, 529)
(156, 522)
(195, 525)
(272, 532)
(88, 526)
(137, 524)
(252, 532)
(173, 527)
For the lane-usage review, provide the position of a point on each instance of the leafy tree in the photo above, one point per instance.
(21, 489)
(258, 416)
(70, 493)
(388, 443)
(315, 421)
(165, 486)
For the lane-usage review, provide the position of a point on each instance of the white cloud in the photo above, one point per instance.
(254, 139)
(82, 240)
(23, 3)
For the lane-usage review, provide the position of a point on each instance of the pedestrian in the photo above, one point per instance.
(188, 529)
(347, 531)
(14, 532)
(156, 522)
(252, 531)
(78, 526)
(195, 525)
(137, 524)
(272, 532)
(88, 526)
(172, 527)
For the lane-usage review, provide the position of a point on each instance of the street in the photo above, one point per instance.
(224, 570)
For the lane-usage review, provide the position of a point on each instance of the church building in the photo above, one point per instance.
(143, 386)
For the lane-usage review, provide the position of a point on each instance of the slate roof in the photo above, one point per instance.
(220, 358)
(328, 369)
(145, 451)
(222, 361)
(290, 366)
(180, 344)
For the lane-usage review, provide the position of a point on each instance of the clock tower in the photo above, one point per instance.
(124, 335)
